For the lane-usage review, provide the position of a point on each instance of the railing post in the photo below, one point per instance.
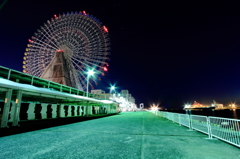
(32, 80)
(179, 119)
(190, 122)
(6, 108)
(209, 128)
(17, 108)
(61, 112)
(87, 109)
(9, 74)
(60, 88)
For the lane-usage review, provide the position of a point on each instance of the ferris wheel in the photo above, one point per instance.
(65, 47)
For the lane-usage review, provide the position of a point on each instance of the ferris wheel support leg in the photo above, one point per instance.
(6, 108)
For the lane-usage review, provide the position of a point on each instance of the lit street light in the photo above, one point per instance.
(112, 88)
(89, 73)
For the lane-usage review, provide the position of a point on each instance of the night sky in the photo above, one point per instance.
(169, 53)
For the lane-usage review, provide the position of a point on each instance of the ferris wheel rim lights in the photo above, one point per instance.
(81, 38)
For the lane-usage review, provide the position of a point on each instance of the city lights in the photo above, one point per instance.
(154, 107)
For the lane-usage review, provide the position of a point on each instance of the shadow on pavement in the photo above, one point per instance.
(32, 125)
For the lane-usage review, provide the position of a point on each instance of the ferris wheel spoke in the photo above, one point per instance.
(82, 80)
(36, 49)
(97, 61)
(83, 42)
(50, 29)
(46, 38)
(95, 65)
(79, 68)
(42, 43)
(57, 37)
(86, 64)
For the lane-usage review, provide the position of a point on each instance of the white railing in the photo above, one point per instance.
(184, 120)
(200, 123)
(176, 117)
(224, 129)
(170, 116)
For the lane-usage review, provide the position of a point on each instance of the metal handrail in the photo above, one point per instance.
(224, 129)
(23, 78)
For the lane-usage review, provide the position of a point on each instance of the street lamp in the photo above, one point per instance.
(112, 88)
(89, 73)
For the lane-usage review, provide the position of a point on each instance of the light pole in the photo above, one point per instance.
(89, 73)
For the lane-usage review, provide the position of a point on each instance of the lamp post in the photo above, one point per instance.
(89, 73)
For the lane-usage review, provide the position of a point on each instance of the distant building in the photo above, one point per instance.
(100, 94)
(125, 94)
(125, 99)
(97, 91)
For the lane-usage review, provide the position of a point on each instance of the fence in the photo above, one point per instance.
(224, 129)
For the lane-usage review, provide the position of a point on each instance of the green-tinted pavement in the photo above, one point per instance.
(129, 135)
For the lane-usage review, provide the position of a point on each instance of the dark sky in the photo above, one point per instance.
(169, 53)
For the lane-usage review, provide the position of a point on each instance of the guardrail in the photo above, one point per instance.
(224, 129)
(24, 78)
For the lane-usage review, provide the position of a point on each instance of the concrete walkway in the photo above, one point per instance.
(129, 135)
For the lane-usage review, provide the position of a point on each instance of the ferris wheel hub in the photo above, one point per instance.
(60, 51)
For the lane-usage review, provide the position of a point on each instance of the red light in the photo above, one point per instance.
(84, 12)
(105, 68)
(60, 51)
(30, 40)
(105, 29)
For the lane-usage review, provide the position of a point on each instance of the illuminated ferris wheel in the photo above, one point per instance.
(65, 47)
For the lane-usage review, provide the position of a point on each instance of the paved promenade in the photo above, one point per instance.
(129, 135)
